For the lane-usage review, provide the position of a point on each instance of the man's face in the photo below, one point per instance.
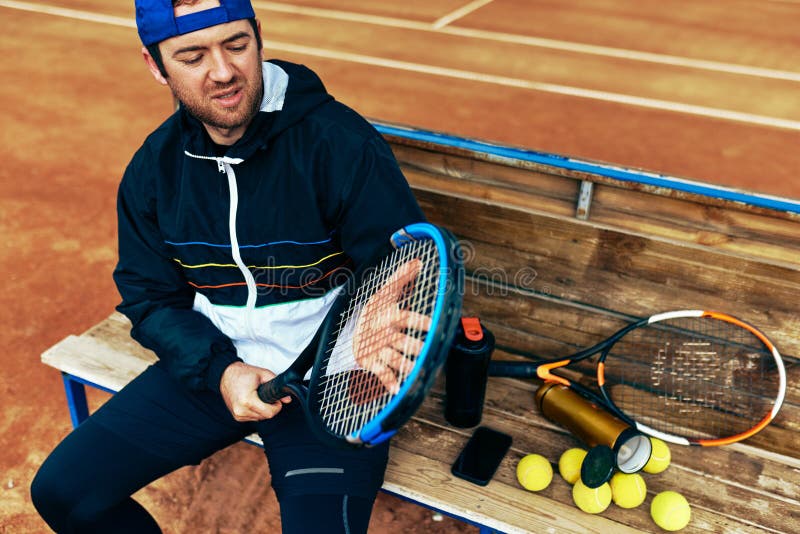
(216, 74)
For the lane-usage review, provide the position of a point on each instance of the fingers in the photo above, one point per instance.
(398, 361)
(409, 320)
(391, 367)
(384, 329)
(238, 389)
(393, 289)
(407, 345)
(404, 274)
(386, 376)
(252, 408)
(384, 342)
(390, 353)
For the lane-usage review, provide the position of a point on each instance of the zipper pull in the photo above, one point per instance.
(220, 165)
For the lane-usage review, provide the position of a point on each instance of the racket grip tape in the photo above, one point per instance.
(279, 387)
(512, 369)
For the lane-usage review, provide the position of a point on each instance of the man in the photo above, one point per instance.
(235, 218)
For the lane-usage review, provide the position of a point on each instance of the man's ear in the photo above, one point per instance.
(260, 36)
(151, 65)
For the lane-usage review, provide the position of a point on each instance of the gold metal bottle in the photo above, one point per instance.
(594, 426)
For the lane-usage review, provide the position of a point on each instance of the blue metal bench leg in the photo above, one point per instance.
(76, 400)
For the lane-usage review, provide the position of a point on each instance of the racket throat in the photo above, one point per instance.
(543, 372)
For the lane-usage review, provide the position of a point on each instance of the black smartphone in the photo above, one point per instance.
(481, 455)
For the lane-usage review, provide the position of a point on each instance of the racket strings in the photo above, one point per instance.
(693, 377)
(353, 390)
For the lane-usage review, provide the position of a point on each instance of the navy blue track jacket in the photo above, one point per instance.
(237, 257)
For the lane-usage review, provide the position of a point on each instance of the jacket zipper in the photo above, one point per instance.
(225, 166)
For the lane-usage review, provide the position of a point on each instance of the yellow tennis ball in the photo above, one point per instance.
(670, 510)
(659, 457)
(569, 465)
(534, 472)
(591, 500)
(628, 490)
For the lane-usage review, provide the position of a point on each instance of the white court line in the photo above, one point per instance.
(460, 13)
(537, 86)
(540, 42)
(462, 32)
(453, 73)
(69, 13)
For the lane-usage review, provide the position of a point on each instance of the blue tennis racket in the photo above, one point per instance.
(383, 342)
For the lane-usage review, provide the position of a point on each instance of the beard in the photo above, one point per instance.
(207, 111)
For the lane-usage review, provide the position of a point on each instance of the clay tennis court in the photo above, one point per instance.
(702, 90)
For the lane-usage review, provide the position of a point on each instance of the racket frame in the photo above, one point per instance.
(543, 370)
(444, 321)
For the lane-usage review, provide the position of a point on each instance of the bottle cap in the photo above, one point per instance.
(597, 466)
(472, 328)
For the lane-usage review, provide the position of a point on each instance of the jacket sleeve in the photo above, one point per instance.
(376, 201)
(156, 297)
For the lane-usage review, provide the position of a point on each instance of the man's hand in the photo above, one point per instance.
(238, 387)
(380, 342)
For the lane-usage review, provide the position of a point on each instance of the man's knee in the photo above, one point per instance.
(333, 514)
(53, 496)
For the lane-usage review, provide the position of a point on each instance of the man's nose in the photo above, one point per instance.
(221, 69)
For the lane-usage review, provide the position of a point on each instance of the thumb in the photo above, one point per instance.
(265, 375)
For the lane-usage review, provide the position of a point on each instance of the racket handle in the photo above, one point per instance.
(280, 386)
(512, 369)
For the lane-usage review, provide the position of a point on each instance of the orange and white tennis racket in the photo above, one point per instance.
(690, 377)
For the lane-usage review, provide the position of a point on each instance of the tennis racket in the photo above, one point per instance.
(380, 347)
(689, 377)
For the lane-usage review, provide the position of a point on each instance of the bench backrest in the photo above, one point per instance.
(558, 258)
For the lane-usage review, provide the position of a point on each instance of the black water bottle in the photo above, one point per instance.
(466, 373)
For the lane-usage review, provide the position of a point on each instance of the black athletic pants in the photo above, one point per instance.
(155, 426)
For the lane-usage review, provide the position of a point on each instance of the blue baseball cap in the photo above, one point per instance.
(156, 20)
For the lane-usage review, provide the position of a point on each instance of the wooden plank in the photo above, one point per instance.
(444, 158)
(548, 284)
(704, 475)
(525, 186)
(758, 235)
(513, 399)
(421, 458)
(764, 490)
(632, 274)
(687, 474)
(98, 361)
(549, 329)
(103, 356)
(500, 505)
(96, 356)
(659, 212)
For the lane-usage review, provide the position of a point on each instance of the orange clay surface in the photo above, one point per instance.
(77, 101)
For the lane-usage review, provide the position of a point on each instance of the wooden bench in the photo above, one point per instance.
(559, 254)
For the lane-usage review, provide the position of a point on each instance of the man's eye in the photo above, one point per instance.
(192, 60)
(239, 48)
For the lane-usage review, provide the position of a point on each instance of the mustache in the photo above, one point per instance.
(218, 86)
